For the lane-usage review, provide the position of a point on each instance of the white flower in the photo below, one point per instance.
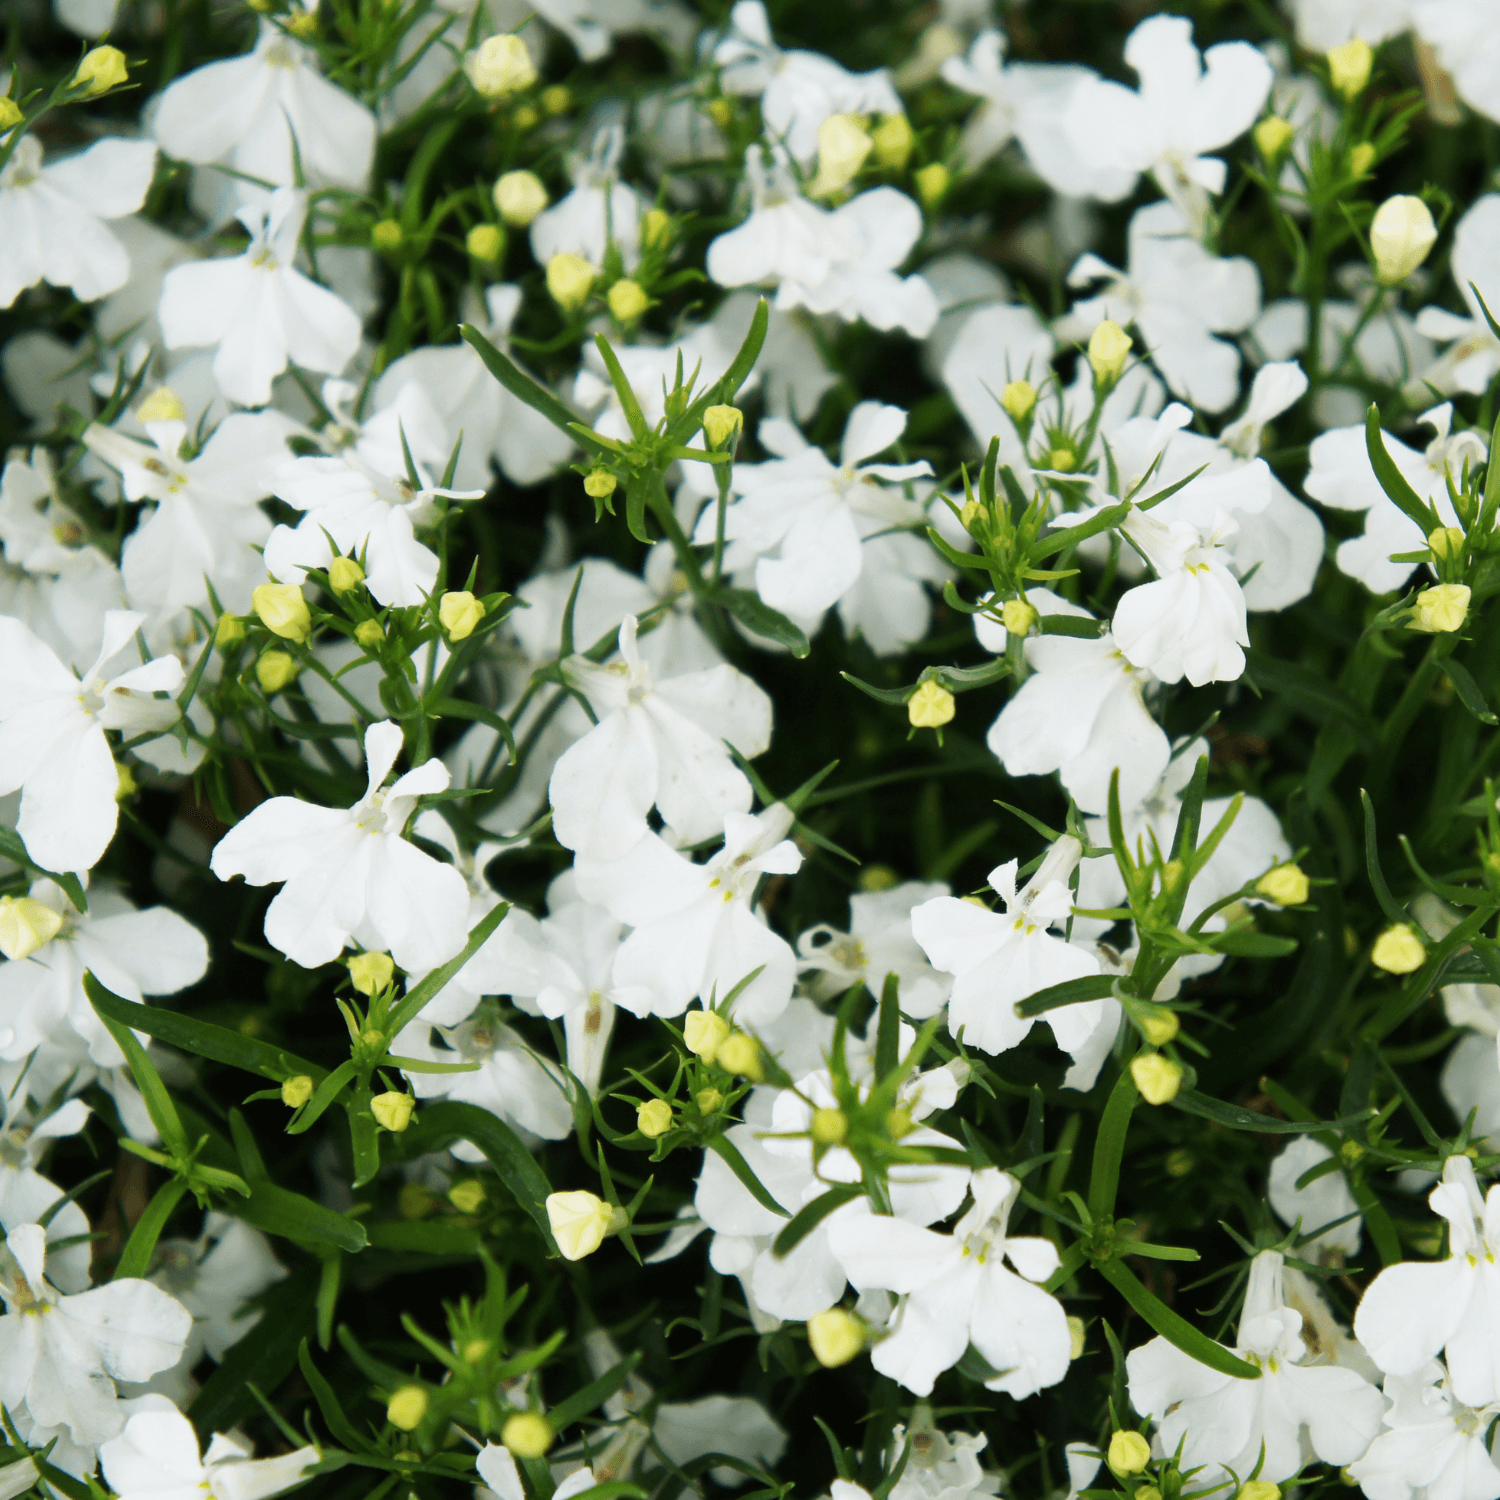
(156, 1458)
(1222, 1421)
(52, 736)
(1179, 296)
(656, 743)
(1462, 33)
(25, 1195)
(266, 114)
(1323, 1201)
(61, 1355)
(258, 308)
(1473, 356)
(1187, 106)
(696, 932)
(1434, 1446)
(1414, 1310)
(54, 216)
(941, 1465)
(1323, 25)
(999, 959)
(600, 212)
(362, 500)
(349, 873)
(995, 345)
(958, 1290)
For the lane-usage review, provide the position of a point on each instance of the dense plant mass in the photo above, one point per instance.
(749, 749)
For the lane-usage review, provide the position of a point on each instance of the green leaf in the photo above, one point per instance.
(1394, 911)
(427, 1237)
(1392, 480)
(810, 1215)
(892, 696)
(280, 1211)
(1109, 1147)
(13, 849)
(521, 385)
(1232, 1117)
(1070, 992)
(593, 1395)
(1469, 693)
(1175, 1329)
(1247, 943)
(323, 1096)
(418, 996)
(737, 1164)
(328, 1403)
(1088, 630)
(760, 619)
(153, 1091)
(135, 1259)
(628, 403)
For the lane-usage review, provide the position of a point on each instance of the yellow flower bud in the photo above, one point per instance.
(1272, 135)
(720, 111)
(930, 707)
(26, 925)
(10, 113)
(102, 69)
(1019, 616)
(475, 1350)
(486, 242)
(721, 423)
(1180, 1162)
(656, 228)
(893, 141)
(569, 279)
(899, 1123)
(703, 1033)
(971, 516)
(932, 182)
(407, 1407)
(878, 878)
(161, 405)
(740, 1054)
(654, 1118)
(228, 631)
(627, 300)
(1441, 609)
(1064, 460)
(275, 670)
(525, 117)
(414, 1201)
(125, 786)
(1075, 1341)
(1254, 1489)
(519, 198)
(1109, 348)
(283, 610)
(295, 1092)
(843, 145)
(303, 23)
(1446, 541)
(599, 484)
(371, 972)
(1349, 67)
(1361, 159)
(386, 235)
(501, 65)
(528, 1434)
(1157, 1077)
(1147, 1492)
(579, 1222)
(1129, 1453)
(393, 1110)
(709, 1101)
(467, 1197)
(1401, 235)
(1286, 885)
(556, 99)
(459, 612)
(345, 575)
(369, 635)
(1159, 1026)
(829, 1127)
(1398, 950)
(1018, 399)
(835, 1337)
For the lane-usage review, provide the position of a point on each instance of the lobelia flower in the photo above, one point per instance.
(1187, 106)
(1323, 25)
(268, 115)
(1473, 356)
(1180, 297)
(55, 216)
(53, 746)
(601, 212)
(941, 1465)
(1434, 1445)
(1226, 1424)
(350, 876)
(1462, 34)
(1325, 1200)
(1000, 958)
(1413, 1311)
(25, 1195)
(361, 500)
(60, 1355)
(156, 1457)
(957, 1290)
(696, 932)
(257, 308)
(656, 743)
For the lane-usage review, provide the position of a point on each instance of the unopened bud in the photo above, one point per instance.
(627, 300)
(893, 140)
(1158, 1026)
(467, 1197)
(125, 785)
(486, 242)
(1446, 541)
(345, 575)
(843, 145)
(1398, 950)
(740, 1054)
(1441, 609)
(971, 517)
(371, 972)
(1256, 1489)
(1361, 159)
(475, 1350)
(899, 1123)
(282, 610)
(228, 631)
(500, 65)
(528, 1434)
(829, 1127)
(931, 706)
(393, 1110)
(569, 279)
(1019, 616)
(10, 113)
(599, 484)
(721, 423)
(1018, 399)
(1180, 1162)
(1286, 885)
(1272, 135)
(369, 635)
(1349, 68)
(1157, 1077)
(656, 228)
(102, 69)
(557, 99)
(386, 236)
(710, 1101)
(654, 1118)
(1401, 235)
(525, 117)
(161, 405)
(835, 1337)
(295, 1092)
(302, 23)
(26, 925)
(931, 183)
(579, 1223)
(1129, 1453)
(519, 197)
(275, 670)
(1109, 348)
(407, 1407)
(1064, 460)
(1075, 1342)
(459, 612)
(703, 1032)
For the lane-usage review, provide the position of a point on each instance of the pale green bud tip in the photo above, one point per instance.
(295, 1092)
(459, 613)
(161, 405)
(467, 1197)
(656, 228)
(282, 610)
(393, 1110)
(386, 235)
(1349, 71)
(1075, 1343)
(893, 140)
(1019, 616)
(1441, 609)
(1157, 1077)
(932, 182)
(345, 575)
(835, 1337)
(1446, 541)
(1272, 135)
(557, 99)
(102, 69)
(519, 197)
(1401, 235)
(528, 1434)
(500, 65)
(740, 1054)
(26, 925)
(627, 300)
(721, 423)
(930, 707)
(407, 1407)
(1361, 158)
(229, 630)
(10, 113)
(1018, 398)
(569, 279)
(274, 670)
(1257, 1489)
(1398, 950)
(371, 972)
(600, 484)
(1129, 1453)
(843, 145)
(125, 787)
(1158, 1026)
(1286, 885)
(369, 634)
(579, 1222)
(829, 1126)
(486, 242)
(654, 1118)
(703, 1032)
(1109, 348)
